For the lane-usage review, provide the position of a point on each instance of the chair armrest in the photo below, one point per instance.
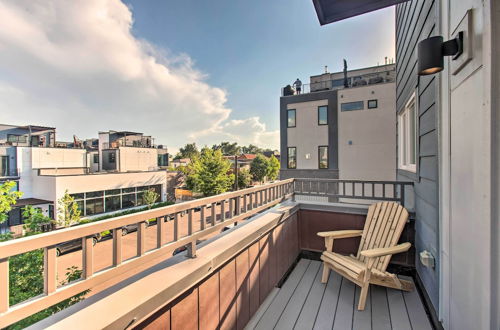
(340, 233)
(374, 253)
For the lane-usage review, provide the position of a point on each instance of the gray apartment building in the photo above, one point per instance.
(341, 125)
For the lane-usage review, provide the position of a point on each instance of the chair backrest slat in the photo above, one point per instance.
(383, 227)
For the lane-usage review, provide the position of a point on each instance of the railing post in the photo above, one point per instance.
(202, 217)
(244, 203)
(49, 270)
(190, 221)
(160, 231)
(4, 285)
(250, 197)
(191, 249)
(231, 208)
(176, 226)
(214, 214)
(88, 256)
(402, 200)
(222, 210)
(117, 246)
(141, 238)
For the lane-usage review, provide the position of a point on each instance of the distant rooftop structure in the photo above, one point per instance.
(350, 78)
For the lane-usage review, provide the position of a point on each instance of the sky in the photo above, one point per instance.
(181, 71)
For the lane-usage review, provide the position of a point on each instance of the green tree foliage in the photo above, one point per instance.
(251, 149)
(227, 148)
(25, 273)
(8, 197)
(69, 213)
(150, 197)
(34, 219)
(190, 151)
(259, 168)
(273, 168)
(244, 178)
(209, 174)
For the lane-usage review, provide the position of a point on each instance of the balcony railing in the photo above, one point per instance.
(214, 214)
(354, 190)
(205, 216)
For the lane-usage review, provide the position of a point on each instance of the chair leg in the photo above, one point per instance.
(362, 296)
(326, 273)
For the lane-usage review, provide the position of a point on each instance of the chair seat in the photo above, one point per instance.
(348, 264)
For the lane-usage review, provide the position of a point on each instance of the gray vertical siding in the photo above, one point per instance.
(417, 20)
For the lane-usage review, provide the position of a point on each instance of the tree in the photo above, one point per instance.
(273, 168)
(69, 213)
(190, 151)
(8, 197)
(259, 167)
(244, 178)
(150, 197)
(34, 220)
(227, 148)
(208, 174)
(251, 149)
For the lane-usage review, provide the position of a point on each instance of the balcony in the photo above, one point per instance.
(259, 273)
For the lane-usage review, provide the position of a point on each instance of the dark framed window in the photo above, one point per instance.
(128, 200)
(94, 194)
(4, 166)
(292, 157)
(351, 106)
(323, 157)
(372, 104)
(112, 157)
(291, 118)
(96, 159)
(323, 115)
(113, 203)
(17, 138)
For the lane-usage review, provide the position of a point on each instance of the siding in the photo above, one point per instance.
(417, 20)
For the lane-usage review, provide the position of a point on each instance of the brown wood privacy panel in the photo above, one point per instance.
(229, 297)
(312, 222)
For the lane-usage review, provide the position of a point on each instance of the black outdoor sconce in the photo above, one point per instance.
(432, 50)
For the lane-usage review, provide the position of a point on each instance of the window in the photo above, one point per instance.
(372, 104)
(323, 115)
(96, 159)
(351, 106)
(112, 157)
(163, 160)
(323, 157)
(292, 157)
(4, 166)
(17, 138)
(291, 118)
(407, 136)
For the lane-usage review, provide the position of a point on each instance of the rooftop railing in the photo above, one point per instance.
(177, 226)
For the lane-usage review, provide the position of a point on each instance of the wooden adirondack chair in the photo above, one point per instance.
(383, 227)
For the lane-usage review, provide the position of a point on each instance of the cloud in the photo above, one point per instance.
(77, 66)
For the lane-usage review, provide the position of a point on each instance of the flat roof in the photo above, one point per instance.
(33, 127)
(330, 11)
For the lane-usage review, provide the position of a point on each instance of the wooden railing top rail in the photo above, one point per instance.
(26, 244)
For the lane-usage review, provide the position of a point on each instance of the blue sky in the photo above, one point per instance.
(182, 71)
(253, 48)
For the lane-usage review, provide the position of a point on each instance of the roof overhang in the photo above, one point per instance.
(330, 11)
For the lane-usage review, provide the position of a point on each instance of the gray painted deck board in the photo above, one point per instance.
(399, 315)
(292, 310)
(326, 313)
(311, 306)
(381, 319)
(362, 319)
(272, 314)
(303, 302)
(416, 311)
(345, 306)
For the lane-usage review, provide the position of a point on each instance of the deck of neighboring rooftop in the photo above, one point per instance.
(303, 302)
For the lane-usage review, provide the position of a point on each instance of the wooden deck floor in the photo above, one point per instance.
(303, 302)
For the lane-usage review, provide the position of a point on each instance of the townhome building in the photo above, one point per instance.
(105, 179)
(341, 125)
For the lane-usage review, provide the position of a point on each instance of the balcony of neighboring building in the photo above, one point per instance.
(261, 273)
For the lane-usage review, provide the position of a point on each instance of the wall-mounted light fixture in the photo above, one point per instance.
(432, 50)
